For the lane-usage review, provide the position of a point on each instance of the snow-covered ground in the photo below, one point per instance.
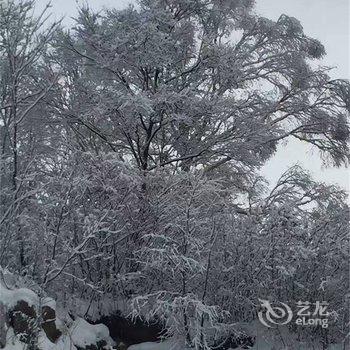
(265, 339)
(79, 333)
(84, 333)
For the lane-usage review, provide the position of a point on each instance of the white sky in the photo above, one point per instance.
(326, 20)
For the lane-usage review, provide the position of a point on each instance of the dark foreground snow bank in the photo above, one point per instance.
(30, 322)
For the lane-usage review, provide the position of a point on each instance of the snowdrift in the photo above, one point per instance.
(28, 321)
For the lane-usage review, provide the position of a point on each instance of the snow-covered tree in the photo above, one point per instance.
(24, 84)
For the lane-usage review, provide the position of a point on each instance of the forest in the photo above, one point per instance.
(130, 187)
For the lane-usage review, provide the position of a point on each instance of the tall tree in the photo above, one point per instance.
(24, 84)
(200, 84)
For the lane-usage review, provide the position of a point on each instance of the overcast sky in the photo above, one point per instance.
(326, 20)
